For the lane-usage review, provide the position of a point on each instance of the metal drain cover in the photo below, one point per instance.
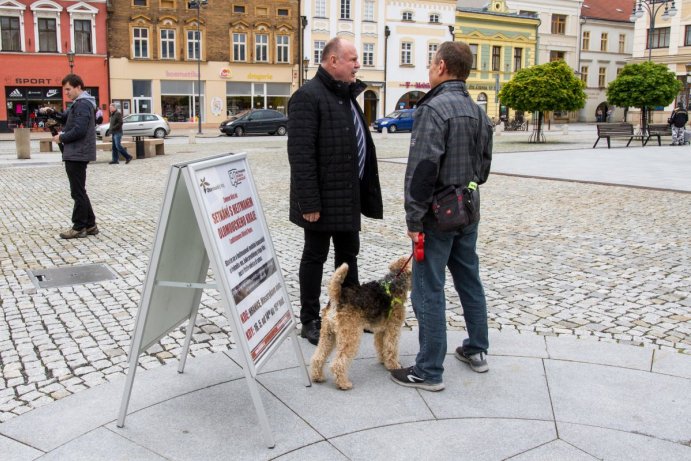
(71, 275)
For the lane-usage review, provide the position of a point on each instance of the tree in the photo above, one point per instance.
(644, 85)
(550, 86)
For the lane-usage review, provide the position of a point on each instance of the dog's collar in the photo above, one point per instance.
(386, 284)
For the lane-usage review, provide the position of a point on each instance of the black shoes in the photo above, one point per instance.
(310, 330)
(408, 378)
(112, 163)
(128, 160)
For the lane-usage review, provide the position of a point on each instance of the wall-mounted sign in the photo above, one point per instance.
(216, 105)
(225, 72)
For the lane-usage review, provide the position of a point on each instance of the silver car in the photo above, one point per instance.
(139, 125)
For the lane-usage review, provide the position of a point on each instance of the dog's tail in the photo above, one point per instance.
(335, 285)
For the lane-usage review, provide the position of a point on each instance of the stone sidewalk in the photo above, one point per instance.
(560, 259)
(544, 398)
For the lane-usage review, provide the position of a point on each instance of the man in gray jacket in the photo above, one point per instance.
(451, 145)
(79, 139)
(116, 133)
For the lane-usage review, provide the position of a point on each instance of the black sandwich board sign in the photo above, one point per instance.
(211, 215)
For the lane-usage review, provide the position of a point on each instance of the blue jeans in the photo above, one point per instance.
(455, 250)
(118, 149)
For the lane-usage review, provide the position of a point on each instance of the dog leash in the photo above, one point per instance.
(418, 252)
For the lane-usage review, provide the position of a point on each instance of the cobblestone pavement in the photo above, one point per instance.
(557, 258)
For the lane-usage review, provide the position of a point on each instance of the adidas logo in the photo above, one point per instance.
(16, 93)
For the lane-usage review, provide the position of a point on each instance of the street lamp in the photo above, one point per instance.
(305, 63)
(198, 4)
(70, 59)
(652, 7)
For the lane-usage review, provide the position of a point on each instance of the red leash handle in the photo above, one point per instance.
(419, 250)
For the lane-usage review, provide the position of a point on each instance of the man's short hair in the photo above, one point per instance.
(74, 80)
(458, 58)
(333, 46)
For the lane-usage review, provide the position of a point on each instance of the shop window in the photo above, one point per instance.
(82, 36)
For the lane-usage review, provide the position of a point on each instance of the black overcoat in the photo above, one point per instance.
(322, 151)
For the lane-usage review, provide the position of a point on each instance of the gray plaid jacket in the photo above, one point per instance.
(451, 144)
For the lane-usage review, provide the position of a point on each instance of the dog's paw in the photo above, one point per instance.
(317, 378)
(345, 386)
(392, 365)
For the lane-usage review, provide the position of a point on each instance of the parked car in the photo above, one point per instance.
(400, 120)
(139, 125)
(256, 121)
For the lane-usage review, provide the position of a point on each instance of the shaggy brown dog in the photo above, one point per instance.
(376, 306)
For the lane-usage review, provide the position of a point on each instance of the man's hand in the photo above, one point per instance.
(413, 236)
(56, 138)
(311, 217)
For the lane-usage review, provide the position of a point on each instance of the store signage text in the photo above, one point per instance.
(35, 81)
(170, 73)
(415, 84)
(260, 77)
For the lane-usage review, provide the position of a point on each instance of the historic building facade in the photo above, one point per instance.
(606, 46)
(671, 45)
(42, 41)
(503, 42)
(186, 61)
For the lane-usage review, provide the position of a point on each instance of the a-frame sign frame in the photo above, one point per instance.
(211, 215)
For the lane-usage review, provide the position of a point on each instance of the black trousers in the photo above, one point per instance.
(82, 213)
(314, 254)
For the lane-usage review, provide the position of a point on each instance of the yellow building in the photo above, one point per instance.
(502, 42)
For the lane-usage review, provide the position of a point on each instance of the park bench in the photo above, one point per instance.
(108, 146)
(617, 130)
(658, 130)
(152, 147)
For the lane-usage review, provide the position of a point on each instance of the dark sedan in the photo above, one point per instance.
(259, 121)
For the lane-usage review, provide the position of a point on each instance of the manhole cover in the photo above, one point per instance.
(72, 275)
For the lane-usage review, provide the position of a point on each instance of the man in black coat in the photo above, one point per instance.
(333, 173)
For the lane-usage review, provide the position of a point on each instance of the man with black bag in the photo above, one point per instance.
(450, 154)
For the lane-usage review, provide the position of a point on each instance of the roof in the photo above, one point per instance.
(612, 10)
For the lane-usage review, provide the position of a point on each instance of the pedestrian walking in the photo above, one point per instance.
(79, 148)
(678, 121)
(450, 148)
(116, 134)
(333, 173)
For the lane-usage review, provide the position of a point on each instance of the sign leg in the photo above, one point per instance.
(134, 359)
(301, 359)
(259, 408)
(188, 337)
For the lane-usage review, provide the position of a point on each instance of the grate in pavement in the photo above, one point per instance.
(72, 275)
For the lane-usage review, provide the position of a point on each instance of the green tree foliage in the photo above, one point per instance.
(644, 85)
(550, 86)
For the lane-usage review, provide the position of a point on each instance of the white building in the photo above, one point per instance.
(393, 39)
(606, 47)
(416, 30)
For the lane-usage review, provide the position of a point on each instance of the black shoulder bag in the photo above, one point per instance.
(455, 207)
